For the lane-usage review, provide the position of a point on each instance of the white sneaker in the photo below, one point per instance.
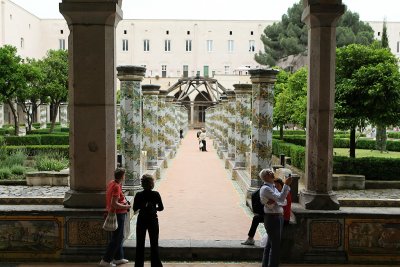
(121, 261)
(106, 264)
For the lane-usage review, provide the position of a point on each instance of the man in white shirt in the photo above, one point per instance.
(273, 201)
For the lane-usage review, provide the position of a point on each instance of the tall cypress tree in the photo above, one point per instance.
(381, 128)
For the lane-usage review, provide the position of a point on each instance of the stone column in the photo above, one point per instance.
(131, 122)
(150, 123)
(321, 20)
(175, 109)
(91, 48)
(47, 114)
(169, 125)
(261, 121)
(43, 116)
(64, 115)
(243, 123)
(118, 116)
(192, 115)
(162, 121)
(231, 118)
(1, 115)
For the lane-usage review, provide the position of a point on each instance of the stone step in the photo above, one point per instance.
(200, 250)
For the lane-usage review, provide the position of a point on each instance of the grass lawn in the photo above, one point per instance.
(361, 153)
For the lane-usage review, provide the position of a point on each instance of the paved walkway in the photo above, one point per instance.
(200, 199)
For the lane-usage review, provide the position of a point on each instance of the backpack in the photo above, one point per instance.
(256, 204)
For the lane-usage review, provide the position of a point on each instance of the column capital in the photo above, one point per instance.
(130, 73)
(91, 12)
(163, 93)
(263, 75)
(243, 88)
(319, 13)
(224, 98)
(230, 94)
(150, 89)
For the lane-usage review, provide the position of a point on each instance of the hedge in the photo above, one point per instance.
(395, 135)
(33, 150)
(387, 169)
(372, 168)
(53, 139)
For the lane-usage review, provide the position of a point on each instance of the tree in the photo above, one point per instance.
(290, 35)
(31, 92)
(12, 79)
(291, 102)
(381, 128)
(367, 88)
(55, 68)
(281, 102)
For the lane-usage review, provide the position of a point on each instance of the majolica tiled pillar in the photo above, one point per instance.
(321, 19)
(150, 123)
(162, 121)
(224, 122)
(243, 123)
(217, 123)
(118, 116)
(91, 49)
(176, 121)
(261, 131)
(231, 119)
(64, 115)
(1, 115)
(43, 116)
(169, 125)
(131, 121)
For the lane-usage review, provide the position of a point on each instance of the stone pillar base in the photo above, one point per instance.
(82, 199)
(316, 201)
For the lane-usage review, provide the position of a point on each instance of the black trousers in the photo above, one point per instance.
(204, 148)
(257, 219)
(143, 225)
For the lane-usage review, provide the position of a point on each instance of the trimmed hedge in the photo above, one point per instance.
(395, 135)
(387, 169)
(373, 168)
(47, 139)
(33, 150)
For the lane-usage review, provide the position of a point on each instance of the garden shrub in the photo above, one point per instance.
(22, 140)
(17, 157)
(34, 150)
(5, 173)
(373, 168)
(53, 139)
(44, 163)
(395, 135)
(18, 170)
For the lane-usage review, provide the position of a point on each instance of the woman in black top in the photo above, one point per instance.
(148, 202)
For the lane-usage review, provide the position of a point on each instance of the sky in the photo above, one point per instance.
(369, 10)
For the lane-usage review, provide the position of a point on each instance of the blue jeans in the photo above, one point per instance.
(273, 225)
(115, 249)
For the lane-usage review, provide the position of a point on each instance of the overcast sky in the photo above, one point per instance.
(369, 10)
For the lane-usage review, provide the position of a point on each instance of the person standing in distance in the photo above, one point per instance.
(273, 218)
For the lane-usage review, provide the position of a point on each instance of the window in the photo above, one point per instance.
(379, 33)
(188, 45)
(230, 46)
(61, 44)
(167, 32)
(398, 47)
(213, 73)
(29, 26)
(252, 46)
(146, 44)
(226, 68)
(209, 45)
(205, 71)
(188, 32)
(124, 44)
(164, 71)
(62, 31)
(230, 32)
(125, 32)
(22, 43)
(185, 71)
(251, 33)
(10, 16)
(167, 46)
